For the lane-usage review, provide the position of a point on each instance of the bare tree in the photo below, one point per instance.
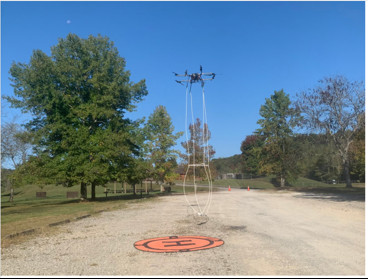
(335, 107)
(15, 146)
(3, 108)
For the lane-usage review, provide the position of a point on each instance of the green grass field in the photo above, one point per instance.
(268, 183)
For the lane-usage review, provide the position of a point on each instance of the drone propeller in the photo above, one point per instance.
(179, 82)
(175, 73)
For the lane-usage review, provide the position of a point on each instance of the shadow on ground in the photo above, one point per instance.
(15, 193)
(58, 202)
(329, 193)
(121, 197)
(334, 197)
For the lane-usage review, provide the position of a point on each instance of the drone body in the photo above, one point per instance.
(195, 77)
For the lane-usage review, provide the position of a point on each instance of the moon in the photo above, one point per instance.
(68, 21)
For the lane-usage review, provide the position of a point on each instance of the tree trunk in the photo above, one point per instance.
(93, 195)
(133, 189)
(347, 173)
(83, 191)
(282, 181)
(11, 195)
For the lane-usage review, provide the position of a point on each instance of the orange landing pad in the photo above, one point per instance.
(170, 244)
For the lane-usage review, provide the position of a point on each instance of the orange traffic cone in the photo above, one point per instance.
(229, 188)
(248, 187)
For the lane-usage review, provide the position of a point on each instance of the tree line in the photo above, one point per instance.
(332, 144)
(80, 96)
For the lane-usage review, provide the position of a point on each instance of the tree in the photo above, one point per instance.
(78, 97)
(278, 120)
(197, 150)
(318, 160)
(250, 148)
(357, 153)
(136, 172)
(15, 148)
(334, 108)
(15, 144)
(231, 164)
(5, 181)
(161, 139)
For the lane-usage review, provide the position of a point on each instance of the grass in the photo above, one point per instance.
(258, 183)
(188, 189)
(255, 183)
(302, 184)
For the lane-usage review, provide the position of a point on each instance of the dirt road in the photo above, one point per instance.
(264, 234)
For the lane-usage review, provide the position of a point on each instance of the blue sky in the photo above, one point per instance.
(254, 48)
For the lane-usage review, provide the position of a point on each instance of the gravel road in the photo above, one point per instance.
(265, 233)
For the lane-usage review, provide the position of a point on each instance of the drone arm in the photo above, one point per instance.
(208, 74)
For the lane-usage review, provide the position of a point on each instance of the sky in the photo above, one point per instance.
(255, 48)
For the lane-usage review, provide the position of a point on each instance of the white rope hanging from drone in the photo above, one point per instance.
(201, 211)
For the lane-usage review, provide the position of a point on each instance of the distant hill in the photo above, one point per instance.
(228, 165)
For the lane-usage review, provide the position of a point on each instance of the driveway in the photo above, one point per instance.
(264, 233)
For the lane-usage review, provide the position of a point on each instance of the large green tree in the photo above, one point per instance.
(277, 123)
(161, 140)
(79, 97)
(335, 108)
(251, 148)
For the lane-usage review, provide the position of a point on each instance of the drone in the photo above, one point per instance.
(195, 77)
